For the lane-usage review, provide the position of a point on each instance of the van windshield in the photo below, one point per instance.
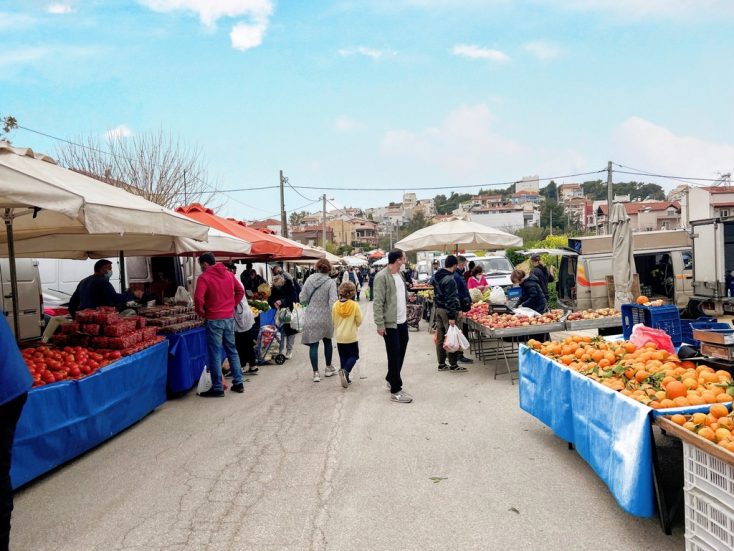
(494, 265)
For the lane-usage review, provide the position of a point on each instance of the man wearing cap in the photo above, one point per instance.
(541, 272)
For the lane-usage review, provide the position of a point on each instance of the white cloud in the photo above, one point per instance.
(59, 8)
(544, 51)
(651, 8)
(346, 124)
(244, 34)
(121, 131)
(650, 147)
(477, 52)
(363, 50)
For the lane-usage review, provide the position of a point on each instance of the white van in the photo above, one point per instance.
(30, 307)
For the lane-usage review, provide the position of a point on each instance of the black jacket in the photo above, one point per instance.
(463, 290)
(543, 276)
(446, 293)
(286, 294)
(92, 292)
(532, 295)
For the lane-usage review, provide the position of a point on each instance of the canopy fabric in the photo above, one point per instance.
(622, 255)
(71, 203)
(262, 245)
(353, 261)
(381, 262)
(457, 234)
(375, 255)
(81, 247)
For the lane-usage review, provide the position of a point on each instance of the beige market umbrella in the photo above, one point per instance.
(458, 234)
(622, 255)
(39, 199)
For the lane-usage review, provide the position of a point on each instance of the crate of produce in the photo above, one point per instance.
(85, 316)
(71, 327)
(708, 520)
(666, 318)
(91, 329)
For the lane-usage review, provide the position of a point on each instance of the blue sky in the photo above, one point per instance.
(368, 94)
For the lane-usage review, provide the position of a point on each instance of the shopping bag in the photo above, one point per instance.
(524, 311)
(183, 297)
(497, 296)
(298, 318)
(451, 342)
(205, 381)
(463, 341)
(641, 335)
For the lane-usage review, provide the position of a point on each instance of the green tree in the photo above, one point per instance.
(417, 222)
(9, 123)
(555, 211)
(344, 250)
(550, 191)
(296, 218)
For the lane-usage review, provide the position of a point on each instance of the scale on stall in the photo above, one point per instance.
(716, 343)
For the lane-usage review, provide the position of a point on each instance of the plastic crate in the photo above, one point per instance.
(666, 318)
(702, 323)
(695, 544)
(707, 473)
(709, 521)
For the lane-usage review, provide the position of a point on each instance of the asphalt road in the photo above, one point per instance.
(293, 464)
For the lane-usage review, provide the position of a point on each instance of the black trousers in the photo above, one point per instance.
(396, 343)
(9, 415)
(245, 343)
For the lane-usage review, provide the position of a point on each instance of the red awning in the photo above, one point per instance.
(376, 255)
(263, 245)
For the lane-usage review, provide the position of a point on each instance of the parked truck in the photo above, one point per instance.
(713, 266)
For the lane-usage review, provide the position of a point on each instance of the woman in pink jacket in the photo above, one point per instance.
(477, 280)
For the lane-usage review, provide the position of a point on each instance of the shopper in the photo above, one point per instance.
(96, 290)
(448, 310)
(477, 279)
(216, 296)
(15, 382)
(319, 293)
(468, 272)
(282, 297)
(464, 300)
(390, 314)
(246, 328)
(532, 293)
(371, 280)
(352, 276)
(347, 317)
(541, 273)
(251, 280)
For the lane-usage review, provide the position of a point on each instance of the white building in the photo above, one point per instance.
(528, 184)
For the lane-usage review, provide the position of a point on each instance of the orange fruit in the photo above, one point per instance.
(667, 403)
(642, 299)
(678, 419)
(641, 375)
(675, 389)
(722, 434)
(690, 426)
(723, 398)
(699, 418)
(707, 433)
(681, 401)
(718, 410)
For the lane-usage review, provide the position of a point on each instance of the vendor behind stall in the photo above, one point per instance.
(532, 292)
(96, 290)
(136, 293)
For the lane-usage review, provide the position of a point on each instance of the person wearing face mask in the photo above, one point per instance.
(96, 290)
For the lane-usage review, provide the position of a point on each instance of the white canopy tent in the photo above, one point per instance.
(40, 200)
(622, 255)
(380, 263)
(353, 261)
(457, 234)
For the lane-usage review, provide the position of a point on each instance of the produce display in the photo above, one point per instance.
(259, 305)
(594, 314)
(254, 311)
(425, 294)
(644, 301)
(479, 312)
(104, 329)
(653, 377)
(171, 319)
(49, 365)
(716, 426)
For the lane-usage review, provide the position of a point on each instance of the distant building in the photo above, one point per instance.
(270, 224)
(520, 197)
(312, 235)
(646, 215)
(529, 184)
(566, 192)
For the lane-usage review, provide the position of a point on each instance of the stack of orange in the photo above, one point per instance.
(653, 377)
(716, 426)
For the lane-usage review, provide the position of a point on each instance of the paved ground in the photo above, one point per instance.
(293, 464)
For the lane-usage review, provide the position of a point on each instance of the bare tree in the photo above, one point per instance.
(154, 165)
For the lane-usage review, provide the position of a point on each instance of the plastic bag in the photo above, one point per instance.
(524, 311)
(298, 318)
(205, 381)
(183, 297)
(641, 335)
(497, 296)
(455, 340)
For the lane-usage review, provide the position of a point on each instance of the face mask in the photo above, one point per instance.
(108, 275)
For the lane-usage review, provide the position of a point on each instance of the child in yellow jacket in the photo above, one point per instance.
(347, 317)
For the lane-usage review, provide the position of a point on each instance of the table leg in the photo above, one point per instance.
(664, 514)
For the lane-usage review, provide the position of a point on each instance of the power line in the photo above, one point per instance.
(298, 192)
(640, 172)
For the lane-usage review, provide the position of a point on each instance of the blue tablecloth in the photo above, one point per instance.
(609, 430)
(63, 420)
(186, 359)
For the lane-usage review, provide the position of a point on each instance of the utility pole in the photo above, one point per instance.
(283, 221)
(550, 212)
(323, 222)
(610, 197)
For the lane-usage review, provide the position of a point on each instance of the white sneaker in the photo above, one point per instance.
(316, 377)
(401, 397)
(329, 371)
(289, 355)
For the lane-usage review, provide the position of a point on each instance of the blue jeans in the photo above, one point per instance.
(220, 334)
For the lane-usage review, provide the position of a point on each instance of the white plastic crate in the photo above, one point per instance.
(709, 474)
(708, 521)
(695, 544)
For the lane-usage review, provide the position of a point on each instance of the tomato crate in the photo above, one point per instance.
(709, 474)
(708, 521)
(666, 318)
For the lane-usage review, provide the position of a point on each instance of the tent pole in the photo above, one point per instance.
(122, 272)
(8, 218)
